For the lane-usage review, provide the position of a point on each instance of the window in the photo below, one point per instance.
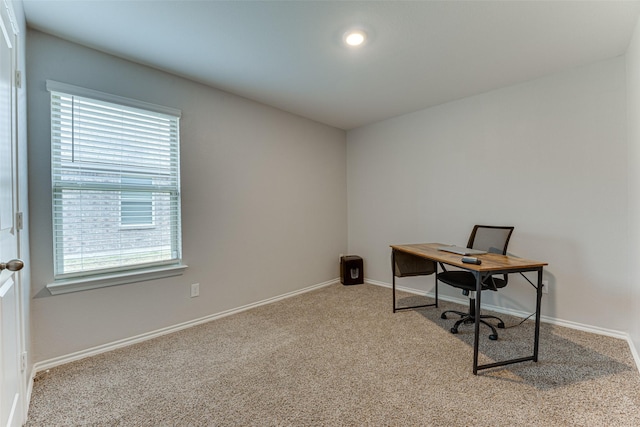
(116, 183)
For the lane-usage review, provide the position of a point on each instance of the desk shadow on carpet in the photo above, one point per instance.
(566, 356)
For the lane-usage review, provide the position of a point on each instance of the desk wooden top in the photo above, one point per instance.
(490, 262)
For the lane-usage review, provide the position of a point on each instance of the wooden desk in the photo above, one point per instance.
(491, 264)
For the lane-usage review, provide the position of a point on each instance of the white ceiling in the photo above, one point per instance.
(289, 54)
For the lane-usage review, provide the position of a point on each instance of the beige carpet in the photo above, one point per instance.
(339, 356)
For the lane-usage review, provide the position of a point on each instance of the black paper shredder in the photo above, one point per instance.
(351, 270)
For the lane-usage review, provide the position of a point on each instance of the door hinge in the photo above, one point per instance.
(19, 220)
(18, 79)
(23, 361)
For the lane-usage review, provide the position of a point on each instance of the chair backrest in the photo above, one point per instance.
(493, 239)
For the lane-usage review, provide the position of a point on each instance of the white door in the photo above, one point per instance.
(11, 382)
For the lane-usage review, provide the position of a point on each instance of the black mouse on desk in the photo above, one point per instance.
(471, 260)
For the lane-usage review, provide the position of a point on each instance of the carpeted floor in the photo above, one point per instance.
(339, 356)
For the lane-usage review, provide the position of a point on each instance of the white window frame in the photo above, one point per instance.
(64, 282)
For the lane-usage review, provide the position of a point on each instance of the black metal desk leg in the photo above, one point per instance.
(393, 275)
(476, 338)
(538, 303)
(435, 276)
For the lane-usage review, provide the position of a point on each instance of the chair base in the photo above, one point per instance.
(470, 318)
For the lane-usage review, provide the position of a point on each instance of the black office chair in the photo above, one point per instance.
(493, 240)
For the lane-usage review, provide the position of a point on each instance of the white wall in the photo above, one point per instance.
(633, 119)
(548, 156)
(263, 192)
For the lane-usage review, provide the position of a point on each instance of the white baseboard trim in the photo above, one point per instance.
(547, 319)
(93, 351)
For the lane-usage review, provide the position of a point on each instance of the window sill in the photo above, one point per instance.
(85, 283)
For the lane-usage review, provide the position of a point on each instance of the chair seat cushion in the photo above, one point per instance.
(466, 280)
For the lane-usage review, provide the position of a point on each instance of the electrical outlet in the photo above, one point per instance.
(195, 290)
(545, 286)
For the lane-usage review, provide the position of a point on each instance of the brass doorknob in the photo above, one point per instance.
(13, 265)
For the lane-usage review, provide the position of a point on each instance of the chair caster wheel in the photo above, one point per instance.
(501, 325)
(454, 331)
(493, 337)
(443, 316)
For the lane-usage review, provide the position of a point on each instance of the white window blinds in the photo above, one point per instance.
(116, 183)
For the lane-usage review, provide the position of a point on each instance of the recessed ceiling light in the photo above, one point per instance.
(355, 37)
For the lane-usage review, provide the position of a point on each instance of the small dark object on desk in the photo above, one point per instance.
(471, 260)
